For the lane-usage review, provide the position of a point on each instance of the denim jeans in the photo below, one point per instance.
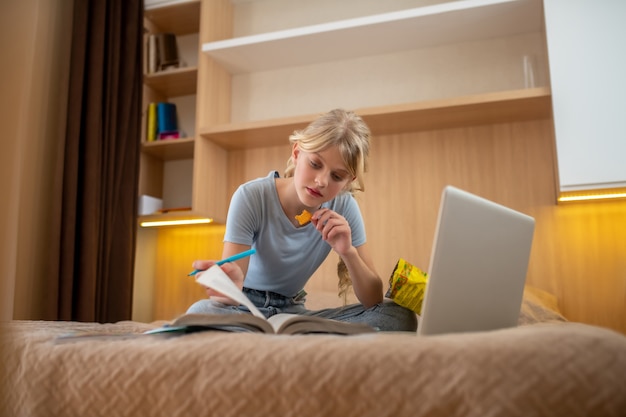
(385, 316)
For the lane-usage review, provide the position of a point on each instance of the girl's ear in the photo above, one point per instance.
(295, 151)
(349, 185)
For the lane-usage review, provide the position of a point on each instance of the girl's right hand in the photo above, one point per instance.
(231, 269)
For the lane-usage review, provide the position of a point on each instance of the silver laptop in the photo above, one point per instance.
(478, 266)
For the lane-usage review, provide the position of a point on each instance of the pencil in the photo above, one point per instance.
(229, 259)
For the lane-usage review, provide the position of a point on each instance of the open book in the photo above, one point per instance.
(216, 279)
(278, 324)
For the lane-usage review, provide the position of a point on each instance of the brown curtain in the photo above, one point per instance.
(98, 203)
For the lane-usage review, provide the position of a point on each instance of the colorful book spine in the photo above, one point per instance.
(153, 61)
(166, 118)
(162, 122)
(152, 123)
(169, 135)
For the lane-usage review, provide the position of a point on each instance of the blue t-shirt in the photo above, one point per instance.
(286, 255)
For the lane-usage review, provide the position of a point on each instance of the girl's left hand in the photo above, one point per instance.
(334, 228)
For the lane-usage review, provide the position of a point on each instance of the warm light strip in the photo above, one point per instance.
(584, 197)
(175, 222)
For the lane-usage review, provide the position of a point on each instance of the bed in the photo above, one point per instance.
(545, 366)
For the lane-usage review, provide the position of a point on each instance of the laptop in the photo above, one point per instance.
(478, 266)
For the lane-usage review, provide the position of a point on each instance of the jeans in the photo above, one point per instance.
(385, 316)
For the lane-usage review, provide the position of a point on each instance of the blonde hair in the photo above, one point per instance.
(349, 133)
(344, 130)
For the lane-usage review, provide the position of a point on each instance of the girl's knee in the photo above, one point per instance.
(400, 319)
(208, 306)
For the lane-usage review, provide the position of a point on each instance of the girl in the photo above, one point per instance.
(327, 164)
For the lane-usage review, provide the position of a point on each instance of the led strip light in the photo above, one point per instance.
(180, 222)
(590, 196)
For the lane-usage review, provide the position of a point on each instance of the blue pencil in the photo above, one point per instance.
(229, 259)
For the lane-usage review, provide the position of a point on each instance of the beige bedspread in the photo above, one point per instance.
(557, 369)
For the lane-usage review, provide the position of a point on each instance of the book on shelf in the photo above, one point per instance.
(152, 123)
(168, 52)
(256, 322)
(166, 117)
(162, 122)
(151, 49)
(161, 52)
(169, 135)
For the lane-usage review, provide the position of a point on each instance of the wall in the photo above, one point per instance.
(35, 36)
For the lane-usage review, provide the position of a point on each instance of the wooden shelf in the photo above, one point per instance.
(489, 108)
(170, 149)
(498, 107)
(173, 83)
(175, 16)
(447, 23)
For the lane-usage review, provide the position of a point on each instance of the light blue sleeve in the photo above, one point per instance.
(243, 217)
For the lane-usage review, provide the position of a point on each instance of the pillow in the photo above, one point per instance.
(539, 306)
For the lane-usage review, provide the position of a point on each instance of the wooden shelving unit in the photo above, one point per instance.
(176, 16)
(181, 17)
(499, 107)
(224, 56)
(455, 21)
(169, 150)
(173, 83)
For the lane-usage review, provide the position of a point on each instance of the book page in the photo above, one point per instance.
(278, 320)
(217, 279)
(285, 323)
(226, 322)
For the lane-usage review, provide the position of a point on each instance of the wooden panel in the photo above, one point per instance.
(181, 18)
(416, 28)
(150, 176)
(210, 180)
(177, 248)
(213, 96)
(245, 165)
(173, 82)
(214, 83)
(510, 164)
(499, 107)
(167, 150)
(581, 250)
(256, 134)
(37, 36)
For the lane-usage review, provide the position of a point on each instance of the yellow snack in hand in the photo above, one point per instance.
(303, 218)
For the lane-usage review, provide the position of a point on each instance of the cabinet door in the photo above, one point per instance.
(588, 78)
